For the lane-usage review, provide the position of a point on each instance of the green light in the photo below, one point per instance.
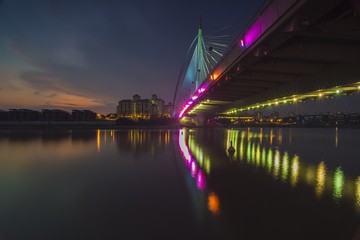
(338, 91)
(338, 183)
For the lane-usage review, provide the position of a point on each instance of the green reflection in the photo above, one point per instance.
(339, 180)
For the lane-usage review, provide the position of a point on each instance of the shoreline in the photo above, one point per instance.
(112, 125)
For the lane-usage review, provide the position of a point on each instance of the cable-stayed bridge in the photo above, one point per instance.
(292, 50)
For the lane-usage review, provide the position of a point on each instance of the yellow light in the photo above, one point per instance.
(320, 94)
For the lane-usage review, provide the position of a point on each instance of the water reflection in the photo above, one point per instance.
(142, 141)
(198, 162)
(264, 151)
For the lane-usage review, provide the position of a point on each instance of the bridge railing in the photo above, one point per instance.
(266, 18)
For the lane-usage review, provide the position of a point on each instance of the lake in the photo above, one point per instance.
(280, 183)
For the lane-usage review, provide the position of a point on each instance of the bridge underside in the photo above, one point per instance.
(317, 48)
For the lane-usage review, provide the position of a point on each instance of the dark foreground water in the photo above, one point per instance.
(180, 184)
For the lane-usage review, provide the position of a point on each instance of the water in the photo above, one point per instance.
(180, 184)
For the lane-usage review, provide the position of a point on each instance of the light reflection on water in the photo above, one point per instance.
(289, 167)
(208, 169)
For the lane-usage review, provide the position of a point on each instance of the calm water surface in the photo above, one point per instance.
(180, 184)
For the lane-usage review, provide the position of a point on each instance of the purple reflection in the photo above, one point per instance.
(193, 169)
(190, 163)
(200, 180)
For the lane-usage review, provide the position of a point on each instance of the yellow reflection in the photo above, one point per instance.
(280, 136)
(98, 140)
(263, 157)
(271, 137)
(214, 203)
(320, 179)
(295, 168)
(232, 139)
(207, 165)
(339, 180)
(310, 175)
(276, 163)
(269, 160)
(336, 137)
(357, 192)
(253, 149)
(261, 135)
(258, 155)
(242, 145)
(248, 152)
(285, 167)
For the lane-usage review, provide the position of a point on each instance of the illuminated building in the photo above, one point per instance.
(143, 108)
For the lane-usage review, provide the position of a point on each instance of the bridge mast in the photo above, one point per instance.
(199, 54)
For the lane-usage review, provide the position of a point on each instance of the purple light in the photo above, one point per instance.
(242, 43)
(201, 90)
(194, 97)
(190, 102)
(253, 33)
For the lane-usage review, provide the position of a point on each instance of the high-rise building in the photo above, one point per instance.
(141, 108)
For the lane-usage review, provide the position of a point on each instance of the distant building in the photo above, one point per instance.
(47, 115)
(83, 115)
(23, 115)
(124, 109)
(4, 115)
(142, 108)
(55, 115)
(168, 110)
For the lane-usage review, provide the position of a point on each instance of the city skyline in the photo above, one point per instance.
(90, 54)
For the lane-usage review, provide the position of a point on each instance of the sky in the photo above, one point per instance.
(90, 54)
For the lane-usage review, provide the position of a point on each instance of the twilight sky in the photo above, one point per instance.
(89, 54)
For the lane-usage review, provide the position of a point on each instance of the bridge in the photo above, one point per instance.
(291, 51)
